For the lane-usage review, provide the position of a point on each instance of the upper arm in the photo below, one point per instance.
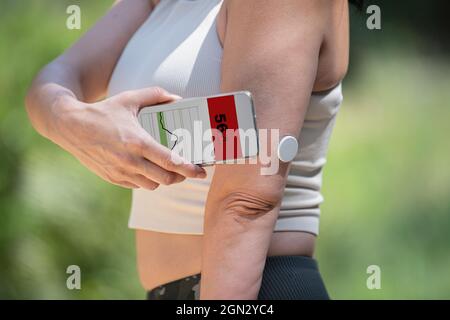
(93, 58)
(271, 48)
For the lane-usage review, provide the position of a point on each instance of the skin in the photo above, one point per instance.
(282, 41)
(292, 48)
(105, 136)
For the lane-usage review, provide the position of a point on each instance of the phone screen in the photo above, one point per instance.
(205, 130)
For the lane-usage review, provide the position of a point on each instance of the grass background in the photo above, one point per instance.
(386, 184)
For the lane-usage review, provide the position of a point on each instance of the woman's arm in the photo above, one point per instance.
(104, 136)
(85, 68)
(271, 48)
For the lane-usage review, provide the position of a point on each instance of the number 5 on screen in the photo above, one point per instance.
(208, 130)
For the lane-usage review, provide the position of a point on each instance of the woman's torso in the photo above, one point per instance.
(189, 65)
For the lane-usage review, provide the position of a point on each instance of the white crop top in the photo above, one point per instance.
(178, 48)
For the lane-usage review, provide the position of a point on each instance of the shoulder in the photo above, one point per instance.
(316, 11)
(306, 29)
(271, 21)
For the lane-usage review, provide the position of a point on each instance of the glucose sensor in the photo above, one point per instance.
(287, 148)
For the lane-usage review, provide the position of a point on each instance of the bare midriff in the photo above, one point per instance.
(165, 257)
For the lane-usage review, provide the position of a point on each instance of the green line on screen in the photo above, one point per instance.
(162, 132)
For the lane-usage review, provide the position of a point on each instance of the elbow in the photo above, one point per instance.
(32, 105)
(28, 103)
(248, 208)
(48, 88)
(32, 94)
(248, 203)
(240, 194)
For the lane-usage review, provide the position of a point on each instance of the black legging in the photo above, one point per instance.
(284, 278)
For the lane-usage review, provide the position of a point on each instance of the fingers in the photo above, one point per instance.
(156, 173)
(126, 184)
(144, 182)
(152, 164)
(169, 160)
(141, 173)
(133, 171)
(126, 179)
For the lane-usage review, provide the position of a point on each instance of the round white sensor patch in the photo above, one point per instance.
(287, 148)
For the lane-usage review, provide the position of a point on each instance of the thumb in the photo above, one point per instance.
(146, 97)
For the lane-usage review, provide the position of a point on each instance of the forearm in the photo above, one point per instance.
(235, 246)
(44, 100)
(240, 215)
(84, 70)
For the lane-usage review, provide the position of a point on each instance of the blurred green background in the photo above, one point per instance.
(386, 184)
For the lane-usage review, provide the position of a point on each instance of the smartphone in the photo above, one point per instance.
(205, 130)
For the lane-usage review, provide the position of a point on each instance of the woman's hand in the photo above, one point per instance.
(108, 139)
(105, 136)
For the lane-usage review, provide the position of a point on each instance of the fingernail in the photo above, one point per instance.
(180, 178)
(201, 173)
(176, 97)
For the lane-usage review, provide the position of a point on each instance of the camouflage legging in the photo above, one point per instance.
(183, 289)
(285, 277)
